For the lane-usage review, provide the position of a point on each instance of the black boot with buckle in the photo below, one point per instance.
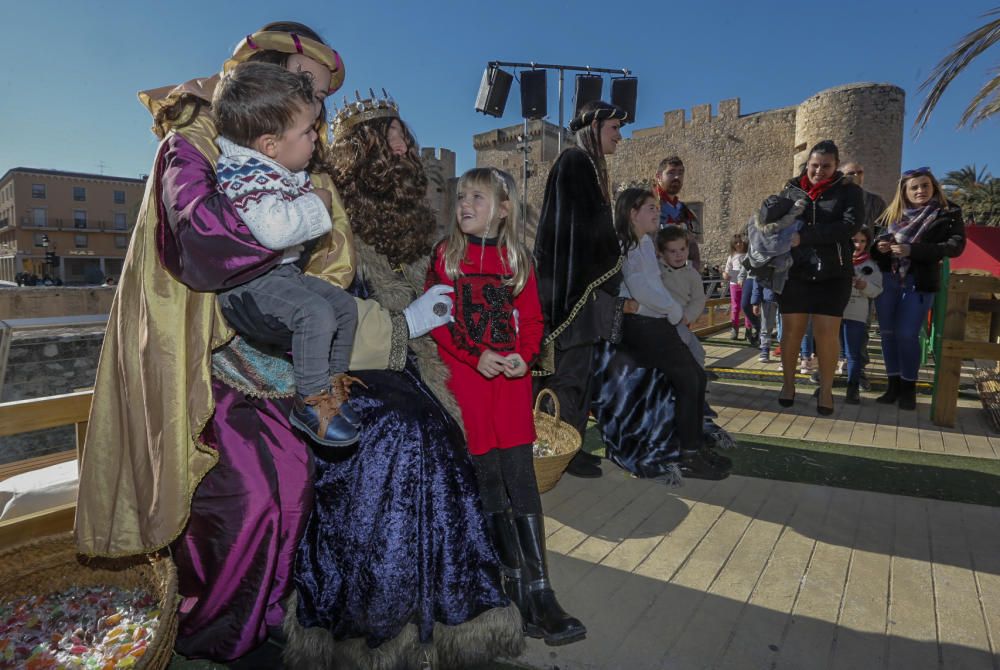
(501, 529)
(545, 618)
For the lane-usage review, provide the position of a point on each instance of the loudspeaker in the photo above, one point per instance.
(534, 102)
(623, 93)
(588, 89)
(493, 91)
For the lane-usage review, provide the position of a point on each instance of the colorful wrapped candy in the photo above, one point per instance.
(93, 628)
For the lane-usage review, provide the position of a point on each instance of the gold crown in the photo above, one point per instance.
(360, 111)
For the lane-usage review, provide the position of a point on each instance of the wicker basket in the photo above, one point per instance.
(50, 565)
(559, 435)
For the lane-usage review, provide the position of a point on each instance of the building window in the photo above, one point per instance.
(120, 221)
(38, 217)
(79, 218)
(121, 241)
(79, 193)
(38, 191)
(39, 239)
(80, 241)
(119, 197)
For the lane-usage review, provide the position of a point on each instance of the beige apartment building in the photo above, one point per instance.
(83, 220)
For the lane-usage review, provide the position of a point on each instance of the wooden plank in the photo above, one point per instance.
(8, 470)
(912, 624)
(811, 630)
(980, 524)
(647, 591)
(948, 371)
(23, 416)
(973, 283)
(759, 635)
(961, 626)
(708, 632)
(966, 350)
(861, 640)
(35, 526)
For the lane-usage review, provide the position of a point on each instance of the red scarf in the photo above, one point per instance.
(860, 257)
(815, 190)
(664, 196)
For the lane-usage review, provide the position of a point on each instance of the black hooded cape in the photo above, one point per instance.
(575, 245)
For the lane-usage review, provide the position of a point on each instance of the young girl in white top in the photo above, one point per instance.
(867, 286)
(654, 337)
(732, 273)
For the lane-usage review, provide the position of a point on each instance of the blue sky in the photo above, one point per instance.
(71, 70)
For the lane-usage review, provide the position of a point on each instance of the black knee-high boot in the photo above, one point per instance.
(891, 391)
(501, 528)
(544, 618)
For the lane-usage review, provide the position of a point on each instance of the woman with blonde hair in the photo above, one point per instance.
(922, 228)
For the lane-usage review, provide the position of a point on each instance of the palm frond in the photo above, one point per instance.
(968, 49)
(987, 99)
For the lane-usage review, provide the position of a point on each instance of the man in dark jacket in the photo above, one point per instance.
(874, 204)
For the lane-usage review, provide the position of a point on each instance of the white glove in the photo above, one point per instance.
(799, 207)
(429, 311)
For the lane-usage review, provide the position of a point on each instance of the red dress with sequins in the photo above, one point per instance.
(496, 412)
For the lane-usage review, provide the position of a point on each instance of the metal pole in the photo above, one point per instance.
(559, 145)
(524, 186)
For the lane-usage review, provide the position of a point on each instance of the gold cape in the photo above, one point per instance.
(143, 457)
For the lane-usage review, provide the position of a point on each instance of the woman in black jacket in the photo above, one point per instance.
(922, 228)
(819, 281)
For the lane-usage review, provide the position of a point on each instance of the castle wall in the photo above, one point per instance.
(731, 163)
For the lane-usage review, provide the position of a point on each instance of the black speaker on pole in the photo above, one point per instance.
(534, 102)
(588, 89)
(493, 91)
(623, 94)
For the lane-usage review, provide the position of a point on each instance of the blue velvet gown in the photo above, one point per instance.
(634, 408)
(397, 535)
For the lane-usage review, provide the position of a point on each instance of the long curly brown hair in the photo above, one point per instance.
(384, 194)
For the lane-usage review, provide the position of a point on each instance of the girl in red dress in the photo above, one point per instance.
(489, 349)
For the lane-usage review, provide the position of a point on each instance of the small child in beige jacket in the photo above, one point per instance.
(682, 281)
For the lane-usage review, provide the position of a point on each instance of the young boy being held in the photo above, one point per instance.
(266, 118)
(682, 281)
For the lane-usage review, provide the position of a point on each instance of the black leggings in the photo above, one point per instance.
(655, 343)
(507, 478)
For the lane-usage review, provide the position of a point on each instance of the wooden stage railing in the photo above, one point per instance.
(24, 416)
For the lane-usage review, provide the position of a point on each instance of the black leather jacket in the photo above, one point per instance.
(944, 238)
(825, 248)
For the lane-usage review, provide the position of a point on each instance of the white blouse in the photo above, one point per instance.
(643, 284)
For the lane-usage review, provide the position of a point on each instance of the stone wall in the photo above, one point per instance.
(731, 162)
(31, 302)
(44, 363)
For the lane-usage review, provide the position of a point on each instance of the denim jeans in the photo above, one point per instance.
(902, 312)
(852, 335)
(808, 347)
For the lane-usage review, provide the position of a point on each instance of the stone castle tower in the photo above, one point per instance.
(733, 160)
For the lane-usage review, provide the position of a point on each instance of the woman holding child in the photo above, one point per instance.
(821, 275)
(190, 444)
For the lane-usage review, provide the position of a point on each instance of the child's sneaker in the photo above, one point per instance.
(840, 365)
(803, 365)
(765, 356)
(319, 416)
